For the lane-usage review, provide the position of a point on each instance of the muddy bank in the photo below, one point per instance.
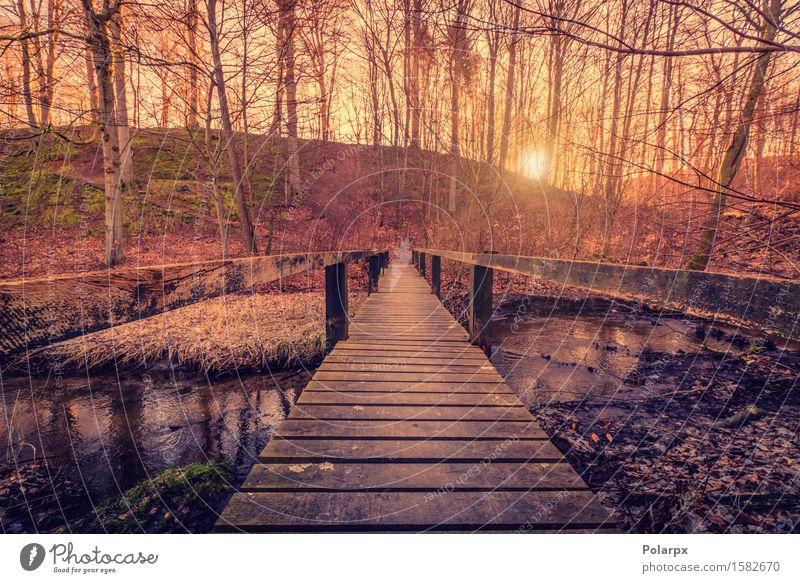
(72, 445)
(677, 424)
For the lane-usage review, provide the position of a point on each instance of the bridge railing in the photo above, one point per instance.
(769, 304)
(35, 312)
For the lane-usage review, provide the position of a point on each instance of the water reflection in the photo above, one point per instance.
(565, 357)
(106, 433)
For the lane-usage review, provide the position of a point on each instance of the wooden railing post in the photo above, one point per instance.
(336, 324)
(422, 264)
(480, 306)
(374, 273)
(436, 275)
(414, 261)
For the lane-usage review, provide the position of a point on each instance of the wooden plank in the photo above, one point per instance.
(413, 430)
(329, 397)
(376, 358)
(50, 309)
(351, 347)
(520, 476)
(406, 387)
(282, 450)
(363, 511)
(407, 367)
(411, 377)
(428, 412)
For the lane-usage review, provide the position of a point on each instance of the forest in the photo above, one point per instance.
(653, 132)
(189, 188)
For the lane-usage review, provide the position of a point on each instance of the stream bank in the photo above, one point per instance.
(679, 425)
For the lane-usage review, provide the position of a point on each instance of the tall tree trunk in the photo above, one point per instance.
(120, 91)
(213, 183)
(47, 58)
(166, 99)
(458, 40)
(666, 91)
(732, 159)
(611, 202)
(277, 112)
(509, 100)
(240, 186)
(25, 50)
(548, 163)
(414, 89)
(103, 59)
(760, 142)
(192, 101)
(288, 22)
(91, 79)
(493, 42)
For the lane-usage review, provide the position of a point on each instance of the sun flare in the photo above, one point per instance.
(534, 164)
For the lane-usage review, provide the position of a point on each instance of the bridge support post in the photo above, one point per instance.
(414, 261)
(480, 306)
(374, 273)
(436, 275)
(422, 267)
(336, 324)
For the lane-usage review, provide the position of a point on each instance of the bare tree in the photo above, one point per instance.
(737, 147)
(240, 186)
(102, 57)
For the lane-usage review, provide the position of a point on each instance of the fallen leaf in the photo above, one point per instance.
(594, 437)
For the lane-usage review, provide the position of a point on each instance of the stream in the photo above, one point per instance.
(99, 435)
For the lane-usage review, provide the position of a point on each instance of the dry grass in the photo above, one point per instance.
(232, 332)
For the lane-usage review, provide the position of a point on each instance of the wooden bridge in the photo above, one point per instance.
(406, 426)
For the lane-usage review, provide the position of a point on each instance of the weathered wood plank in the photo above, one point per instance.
(398, 413)
(407, 367)
(329, 397)
(395, 349)
(410, 377)
(39, 311)
(283, 450)
(522, 476)
(416, 430)
(341, 358)
(360, 511)
(407, 387)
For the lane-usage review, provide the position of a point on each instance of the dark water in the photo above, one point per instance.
(553, 356)
(104, 434)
